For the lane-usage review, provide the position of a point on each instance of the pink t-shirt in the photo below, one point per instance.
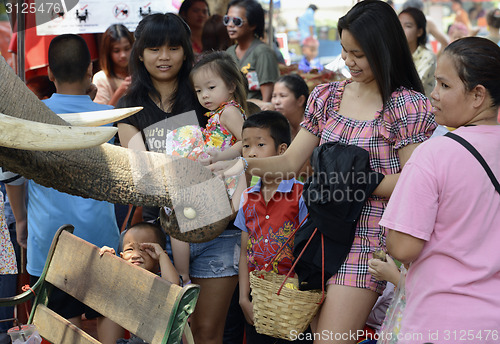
(445, 197)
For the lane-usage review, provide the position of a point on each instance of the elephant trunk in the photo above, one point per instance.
(110, 173)
(102, 173)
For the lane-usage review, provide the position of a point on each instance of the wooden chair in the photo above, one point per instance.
(136, 299)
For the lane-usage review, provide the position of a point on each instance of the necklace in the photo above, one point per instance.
(160, 104)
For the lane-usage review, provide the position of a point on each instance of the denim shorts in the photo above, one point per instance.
(216, 258)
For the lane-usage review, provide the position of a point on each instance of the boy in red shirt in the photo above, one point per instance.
(269, 211)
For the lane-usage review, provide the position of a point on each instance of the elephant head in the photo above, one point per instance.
(201, 207)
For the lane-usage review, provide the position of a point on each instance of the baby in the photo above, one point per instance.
(143, 245)
(310, 60)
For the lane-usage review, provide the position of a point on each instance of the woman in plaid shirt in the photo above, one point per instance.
(381, 108)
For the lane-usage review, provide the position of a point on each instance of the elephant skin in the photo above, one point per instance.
(115, 174)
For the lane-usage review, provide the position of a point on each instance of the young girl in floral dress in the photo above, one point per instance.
(220, 88)
(161, 61)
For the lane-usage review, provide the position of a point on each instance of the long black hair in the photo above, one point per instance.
(296, 84)
(113, 34)
(377, 29)
(186, 5)
(156, 30)
(477, 61)
(419, 19)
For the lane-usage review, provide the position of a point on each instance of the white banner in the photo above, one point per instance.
(95, 16)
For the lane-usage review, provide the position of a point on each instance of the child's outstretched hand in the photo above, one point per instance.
(105, 249)
(153, 249)
(228, 168)
(384, 271)
(210, 157)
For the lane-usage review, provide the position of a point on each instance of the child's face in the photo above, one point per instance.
(210, 89)
(134, 253)
(120, 52)
(310, 51)
(258, 143)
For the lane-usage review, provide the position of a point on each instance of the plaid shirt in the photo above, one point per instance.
(407, 119)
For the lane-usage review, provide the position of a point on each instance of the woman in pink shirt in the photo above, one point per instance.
(444, 214)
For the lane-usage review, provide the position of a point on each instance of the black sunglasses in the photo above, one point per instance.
(237, 21)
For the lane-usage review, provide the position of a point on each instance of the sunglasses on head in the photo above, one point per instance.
(237, 21)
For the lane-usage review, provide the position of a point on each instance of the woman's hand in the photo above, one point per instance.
(22, 233)
(227, 168)
(120, 91)
(124, 86)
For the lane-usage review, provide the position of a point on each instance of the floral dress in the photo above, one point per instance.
(216, 136)
(192, 141)
(8, 263)
(406, 120)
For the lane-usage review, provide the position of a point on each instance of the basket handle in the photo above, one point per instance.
(268, 268)
(270, 265)
(322, 265)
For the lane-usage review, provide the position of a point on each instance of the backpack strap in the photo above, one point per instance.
(478, 156)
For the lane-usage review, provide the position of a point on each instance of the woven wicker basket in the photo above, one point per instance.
(278, 315)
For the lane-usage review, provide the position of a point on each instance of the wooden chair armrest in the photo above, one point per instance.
(56, 329)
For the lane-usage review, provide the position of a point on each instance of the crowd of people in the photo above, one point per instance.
(211, 91)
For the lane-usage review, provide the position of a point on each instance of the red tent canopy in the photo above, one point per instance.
(37, 47)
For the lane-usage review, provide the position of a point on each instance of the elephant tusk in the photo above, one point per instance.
(98, 118)
(28, 135)
(107, 172)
